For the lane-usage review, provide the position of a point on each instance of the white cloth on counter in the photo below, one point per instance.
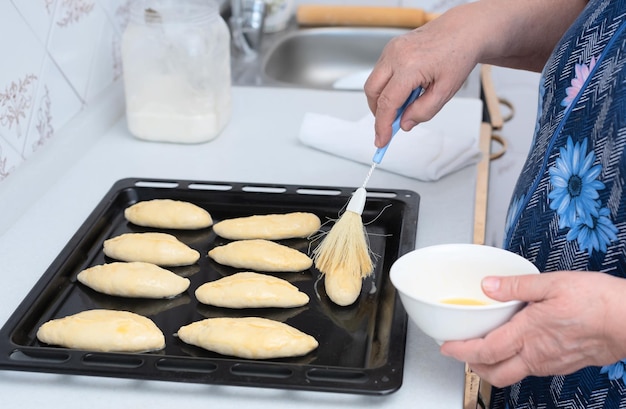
(429, 151)
(354, 81)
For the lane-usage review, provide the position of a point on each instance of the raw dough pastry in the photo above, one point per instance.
(103, 330)
(168, 214)
(343, 287)
(261, 255)
(134, 279)
(251, 290)
(158, 248)
(269, 227)
(249, 337)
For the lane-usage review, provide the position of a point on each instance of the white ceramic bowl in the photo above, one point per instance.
(426, 277)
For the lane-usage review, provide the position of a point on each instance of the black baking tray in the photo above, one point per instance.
(361, 347)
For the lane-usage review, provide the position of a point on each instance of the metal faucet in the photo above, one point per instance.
(246, 23)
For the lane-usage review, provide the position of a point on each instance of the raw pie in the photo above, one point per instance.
(158, 248)
(251, 290)
(249, 337)
(103, 330)
(261, 255)
(269, 227)
(168, 214)
(133, 279)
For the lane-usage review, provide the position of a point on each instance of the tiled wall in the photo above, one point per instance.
(59, 55)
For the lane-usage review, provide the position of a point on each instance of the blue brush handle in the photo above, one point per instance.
(395, 126)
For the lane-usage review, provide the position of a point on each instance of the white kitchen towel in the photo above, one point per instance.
(429, 151)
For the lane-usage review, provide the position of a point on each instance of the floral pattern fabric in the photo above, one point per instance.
(568, 210)
(574, 196)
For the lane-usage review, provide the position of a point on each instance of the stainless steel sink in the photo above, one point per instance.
(324, 57)
(313, 57)
(317, 58)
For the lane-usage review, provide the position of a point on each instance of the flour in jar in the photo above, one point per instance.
(177, 72)
(167, 109)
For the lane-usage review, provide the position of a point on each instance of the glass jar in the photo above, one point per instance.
(176, 58)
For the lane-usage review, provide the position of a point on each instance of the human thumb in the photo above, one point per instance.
(423, 109)
(528, 287)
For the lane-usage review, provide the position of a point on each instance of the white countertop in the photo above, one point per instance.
(45, 203)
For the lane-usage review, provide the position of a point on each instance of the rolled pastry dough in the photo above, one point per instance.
(133, 279)
(269, 227)
(168, 214)
(261, 255)
(251, 290)
(158, 248)
(249, 337)
(103, 330)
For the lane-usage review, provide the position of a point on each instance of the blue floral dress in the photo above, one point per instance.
(568, 210)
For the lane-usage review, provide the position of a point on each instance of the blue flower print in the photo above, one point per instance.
(595, 237)
(575, 185)
(616, 371)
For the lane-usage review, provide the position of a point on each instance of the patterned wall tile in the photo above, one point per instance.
(109, 60)
(55, 105)
(38, 15)
(117, 11)
(23, 56)
(10, 159)
(77, 27)
(104, 71)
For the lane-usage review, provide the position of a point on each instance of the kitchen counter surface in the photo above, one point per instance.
(68, 179)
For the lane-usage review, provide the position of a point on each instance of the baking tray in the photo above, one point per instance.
(361, 347)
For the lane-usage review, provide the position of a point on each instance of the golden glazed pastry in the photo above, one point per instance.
(261, 255)
(251, 290)
(103, 330)
(249, 337)
(133, 279)
(269, 227)
(168, 214)
(157, 248)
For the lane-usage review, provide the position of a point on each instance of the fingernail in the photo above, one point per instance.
(491, 284)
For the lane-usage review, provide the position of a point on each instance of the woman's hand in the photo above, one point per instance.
(573, 319)
(436, 57)
(440, 55)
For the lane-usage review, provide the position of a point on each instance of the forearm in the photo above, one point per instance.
(612, 327)
(515, 33)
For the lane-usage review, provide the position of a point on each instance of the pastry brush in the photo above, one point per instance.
(343, 255)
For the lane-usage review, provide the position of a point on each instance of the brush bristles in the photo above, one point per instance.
(345, 247)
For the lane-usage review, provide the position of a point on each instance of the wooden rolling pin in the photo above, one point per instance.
(361, 16)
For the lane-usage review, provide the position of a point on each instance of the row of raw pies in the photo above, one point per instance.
(140, 273)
